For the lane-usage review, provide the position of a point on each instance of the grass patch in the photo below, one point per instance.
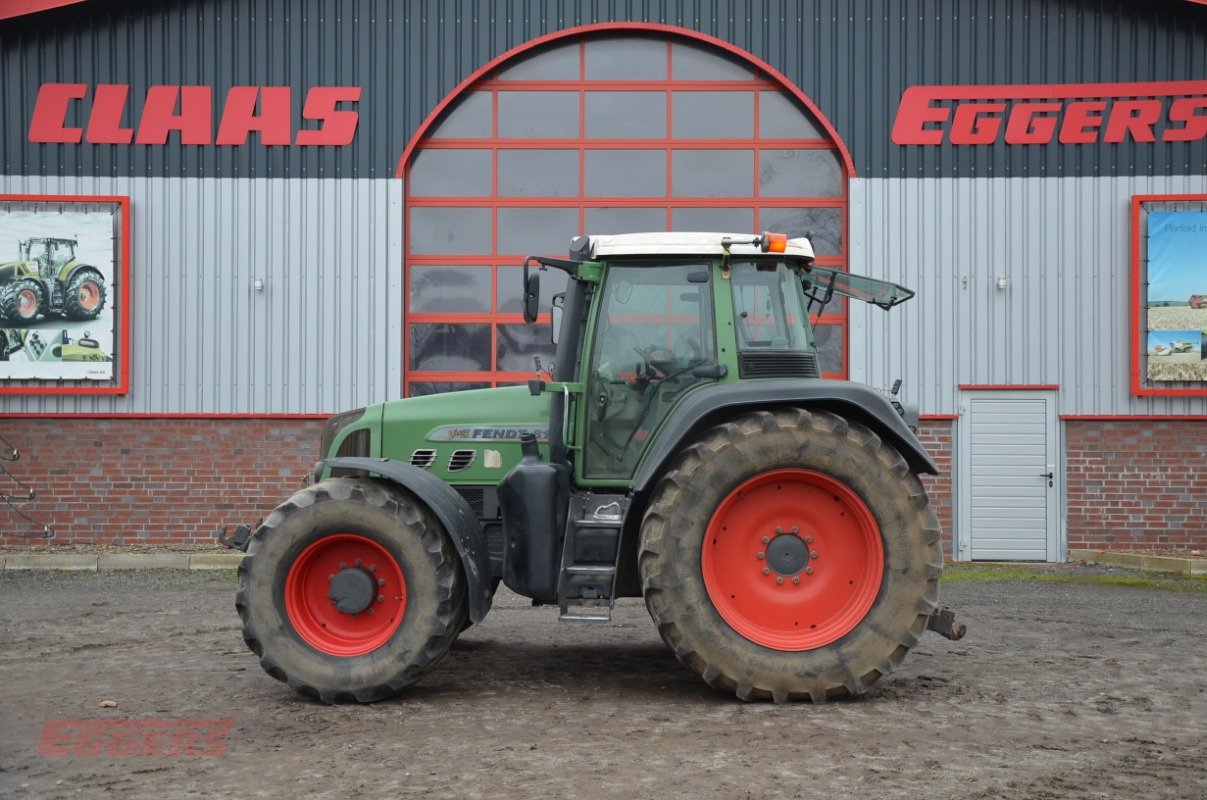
(1075, 574)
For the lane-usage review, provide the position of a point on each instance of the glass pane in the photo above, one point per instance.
(691, 62)
(824, 224)
(625, 173)
(654, 327)
(625, 220)
(510, 297)
(517, 344)
(449, 348)
(725, 220)
(783, 117)
(713, 115)
(450, 173)
(538, 173)
(453, 289)
(558, 64)
(829, 343)
(467, 119)
(630, 58)
(626, 115)
(421, 388)
(800, 173)
(713, 173)
(537, 231)
(538, 115)
(768, 308)
(449, 230)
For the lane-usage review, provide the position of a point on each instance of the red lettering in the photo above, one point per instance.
(1194, 125)
(914, 112)
(972, 124)
(1079, 117)
(159, 117)
(338, 127)
(239, 118)
(105, 121)
(49, 121)
(1025, 127)
(1136, 117)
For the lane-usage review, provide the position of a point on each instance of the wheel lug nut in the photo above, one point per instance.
(778, 529)
(330, 577)
(796, 529)
(766, 540)
(381, 581)
(808, 540)
(359, 562)
(369, 610)
(761, 556)
(343, 565)
(808, 570)
(796, 579)
(372, 568)
(779, 579)
(813, 554)
(766, 570)
(381, 598)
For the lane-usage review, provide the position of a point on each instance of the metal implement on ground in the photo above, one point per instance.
(683, 447)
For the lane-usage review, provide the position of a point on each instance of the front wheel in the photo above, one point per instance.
(790, 555)
(350, 590)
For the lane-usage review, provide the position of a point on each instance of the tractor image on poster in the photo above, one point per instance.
(683, 447)
(48, 280)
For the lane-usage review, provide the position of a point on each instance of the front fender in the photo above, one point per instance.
(855, 401)
(454, 514)
(72, 268)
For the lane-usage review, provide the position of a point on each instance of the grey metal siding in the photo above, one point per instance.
(324, 335)
(853, 58)
(1063, 245)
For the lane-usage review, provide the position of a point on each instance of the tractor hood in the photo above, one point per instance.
(464, 437)
(10, 270)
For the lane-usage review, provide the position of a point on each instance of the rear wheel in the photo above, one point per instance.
(21, 301)
(790, 555)
(84, 296)
(350, 591)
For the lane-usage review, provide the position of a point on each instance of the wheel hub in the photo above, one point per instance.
(352, 590)
(787, 554)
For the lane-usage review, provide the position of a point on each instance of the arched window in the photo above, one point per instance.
(599, 133)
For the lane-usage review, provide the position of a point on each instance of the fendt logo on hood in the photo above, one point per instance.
(189, 112)
(1074, 113)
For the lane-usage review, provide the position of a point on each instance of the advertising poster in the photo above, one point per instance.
(59, 267)
(1176, 317)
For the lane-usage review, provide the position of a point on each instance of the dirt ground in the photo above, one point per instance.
(1057, 691)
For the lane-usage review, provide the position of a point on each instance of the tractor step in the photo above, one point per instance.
(586, 587)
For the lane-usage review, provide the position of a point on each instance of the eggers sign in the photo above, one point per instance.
(189, 112)
(1075, 113)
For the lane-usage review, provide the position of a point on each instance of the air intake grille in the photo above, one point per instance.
(461, 460)
(778, 365)
(476, 497)
(423, 458)
(355, 445)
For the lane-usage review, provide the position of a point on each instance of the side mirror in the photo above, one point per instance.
(532, 295)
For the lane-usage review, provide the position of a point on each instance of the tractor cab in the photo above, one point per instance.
(50, 253)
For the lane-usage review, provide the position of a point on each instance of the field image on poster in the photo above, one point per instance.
(59, 266)
(1176, 313)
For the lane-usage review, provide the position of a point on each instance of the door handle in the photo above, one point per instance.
(1049, 476)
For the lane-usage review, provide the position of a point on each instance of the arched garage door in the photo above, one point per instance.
(598, 132)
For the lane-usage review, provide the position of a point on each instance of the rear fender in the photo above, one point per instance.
(454, 514)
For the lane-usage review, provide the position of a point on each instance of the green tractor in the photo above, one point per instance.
(683, 448)
(47, 279)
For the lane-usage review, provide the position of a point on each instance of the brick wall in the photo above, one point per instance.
(937, 436)
(1136, 485)
(134, 481)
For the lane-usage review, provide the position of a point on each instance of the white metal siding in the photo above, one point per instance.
(324, 335)
(1063, 245)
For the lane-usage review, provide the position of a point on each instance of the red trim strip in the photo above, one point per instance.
(123, 365)
(1135, 417)
(776, 77)
(934, 417)
(73, 415)
(1006, 387)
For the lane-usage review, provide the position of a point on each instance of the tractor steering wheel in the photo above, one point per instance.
(648, 357)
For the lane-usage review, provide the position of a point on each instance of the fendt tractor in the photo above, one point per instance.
(683, 447)
(47, 279)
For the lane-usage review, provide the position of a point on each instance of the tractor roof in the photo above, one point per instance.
(661, 243)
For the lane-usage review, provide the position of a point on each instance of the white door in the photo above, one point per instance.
(1008, 477)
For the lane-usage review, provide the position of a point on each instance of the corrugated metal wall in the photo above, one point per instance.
(1064, 247)
(324, 335)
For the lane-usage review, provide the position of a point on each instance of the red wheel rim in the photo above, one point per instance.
(313, 613)
(88, 295)
(27, 303)
(792, 559)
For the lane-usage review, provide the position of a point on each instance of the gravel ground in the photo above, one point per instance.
(1058, 691)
